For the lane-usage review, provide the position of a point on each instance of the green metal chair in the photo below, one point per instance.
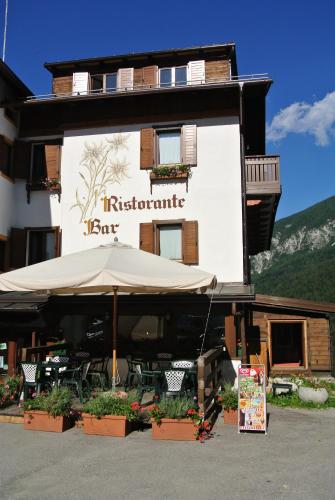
(77, 378)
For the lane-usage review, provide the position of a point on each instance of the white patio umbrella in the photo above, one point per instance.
(114, 267)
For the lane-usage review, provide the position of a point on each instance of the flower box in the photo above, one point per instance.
(230, 416)
(36, 420)
(176, 430)
(109, 425)
(172, 176)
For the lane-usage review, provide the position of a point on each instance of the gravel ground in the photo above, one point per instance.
(294, 460)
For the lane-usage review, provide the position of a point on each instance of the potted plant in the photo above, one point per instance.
(49, 411)
(9, 391)
(110, 414)
(312, 390)
(177, 171)
(177, 419)
(228, 398)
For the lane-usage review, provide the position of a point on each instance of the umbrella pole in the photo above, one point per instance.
(114, 338)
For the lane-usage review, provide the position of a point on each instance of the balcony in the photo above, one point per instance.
(262, 175)
(263, 193)
(136, 89)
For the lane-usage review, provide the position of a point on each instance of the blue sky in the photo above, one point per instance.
(293, 41)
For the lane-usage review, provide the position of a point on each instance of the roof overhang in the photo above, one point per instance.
(142, 58)
(14, 81)
(266, 302)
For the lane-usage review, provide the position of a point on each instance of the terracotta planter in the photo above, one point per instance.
(35, 420)
(176, 430)
(109, 425)
(230, 416)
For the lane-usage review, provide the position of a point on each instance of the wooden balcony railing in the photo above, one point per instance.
(209, 379)
(262, 174)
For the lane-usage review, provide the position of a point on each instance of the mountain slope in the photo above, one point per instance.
(301, 262)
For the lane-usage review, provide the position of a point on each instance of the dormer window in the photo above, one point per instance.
(173, 77)
(104, 83)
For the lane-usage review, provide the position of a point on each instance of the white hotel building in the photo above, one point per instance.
(164, 151)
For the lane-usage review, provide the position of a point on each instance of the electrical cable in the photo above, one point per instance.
(206, 325)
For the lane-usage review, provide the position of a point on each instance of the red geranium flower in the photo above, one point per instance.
(135, 406)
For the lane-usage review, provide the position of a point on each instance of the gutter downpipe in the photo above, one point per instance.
(246, 266)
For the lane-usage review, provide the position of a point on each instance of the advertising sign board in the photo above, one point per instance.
(251, 398)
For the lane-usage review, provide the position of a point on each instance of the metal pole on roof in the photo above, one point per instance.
(5, 32)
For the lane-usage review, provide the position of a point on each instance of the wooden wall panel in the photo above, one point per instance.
(318, 336)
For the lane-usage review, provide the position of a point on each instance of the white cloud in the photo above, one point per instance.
(317, 119)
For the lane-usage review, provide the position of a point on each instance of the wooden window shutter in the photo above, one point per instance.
(190, 242)
(189, 145)
(196, 72)
(138, 77)
(147, 239)
(125, 79)
(52, 159)
(62, 85)
(22, 152)
(58, 242)
(150, 76)
(147, 159)
(80, 83)
(18, 240)
(217, 70)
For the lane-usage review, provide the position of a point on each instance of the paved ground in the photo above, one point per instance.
(296, 460)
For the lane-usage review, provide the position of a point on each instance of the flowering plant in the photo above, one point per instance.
(181, 408)
(228, 398)
(113, 404)
(56, 403)
(171, 171)
(51, 184)
(9, 391)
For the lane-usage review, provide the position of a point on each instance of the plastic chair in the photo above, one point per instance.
(77, 377)
(98, 370)
(30, 375)
(185, 364)
(164, 359)
(175, 383)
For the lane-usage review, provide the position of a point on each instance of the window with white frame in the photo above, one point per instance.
(169, 146)
(104, 83)
(173, 77)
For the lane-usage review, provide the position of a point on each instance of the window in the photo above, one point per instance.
(169, 146)
(3, 357)
(104, 83)
(42, 245)
(170, 241)
(38, 169)
(173, 77)
(6, 156)
(2, 255)
(288, 344)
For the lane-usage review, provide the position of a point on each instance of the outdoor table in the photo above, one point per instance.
(55, 369)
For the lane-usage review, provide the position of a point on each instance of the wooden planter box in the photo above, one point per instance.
(40, 421)
(179, 175)
(176, 430)
(109, 425)
(230, 416)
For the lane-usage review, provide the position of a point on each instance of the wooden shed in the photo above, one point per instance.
(290, 335)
